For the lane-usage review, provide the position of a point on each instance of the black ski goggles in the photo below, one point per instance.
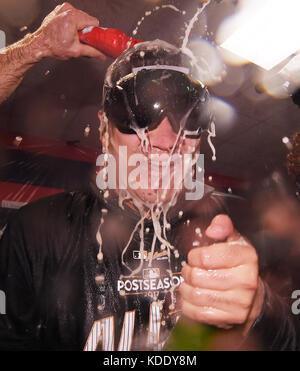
(144, 98)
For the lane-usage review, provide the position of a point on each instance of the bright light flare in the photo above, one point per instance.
(241, 13)
(285, 140)
(210, 67)
(288, 144)
(270, 36)
(233, 81)
(275, 85)
(291, 71)
(224, 114)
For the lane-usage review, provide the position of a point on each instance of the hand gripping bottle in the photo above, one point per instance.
(109, 41)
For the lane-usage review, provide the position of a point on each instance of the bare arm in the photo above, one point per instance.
(57, 37)
(15, 61)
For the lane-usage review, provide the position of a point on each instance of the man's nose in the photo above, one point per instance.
(163, 136)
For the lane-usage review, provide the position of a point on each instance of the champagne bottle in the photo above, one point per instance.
(191, 336)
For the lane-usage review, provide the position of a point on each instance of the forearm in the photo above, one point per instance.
(15, 61)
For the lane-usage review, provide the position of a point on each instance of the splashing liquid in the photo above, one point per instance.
(150, 12)
(212, 134)
(158, 210)
(190, 26)
(161, 209)
(184, 48)
(104, 122)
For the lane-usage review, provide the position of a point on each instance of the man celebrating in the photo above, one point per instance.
(101, 270)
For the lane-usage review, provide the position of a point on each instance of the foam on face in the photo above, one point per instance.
(158, 210)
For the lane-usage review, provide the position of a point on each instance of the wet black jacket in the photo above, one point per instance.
(59, 296)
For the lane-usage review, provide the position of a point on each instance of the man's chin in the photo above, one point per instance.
(154, 196)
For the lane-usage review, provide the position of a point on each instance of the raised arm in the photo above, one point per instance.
(57, 37)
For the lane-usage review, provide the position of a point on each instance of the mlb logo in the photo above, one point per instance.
(137, 255)
(150, 273)
(2, 39)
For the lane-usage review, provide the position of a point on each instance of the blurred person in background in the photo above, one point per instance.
(277, 205)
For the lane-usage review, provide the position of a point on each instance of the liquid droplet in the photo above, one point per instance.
(87, 130)
(17, 140)
(198, 232)
(100, 257)
(99, 279)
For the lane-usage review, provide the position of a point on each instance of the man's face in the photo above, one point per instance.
(163, 140)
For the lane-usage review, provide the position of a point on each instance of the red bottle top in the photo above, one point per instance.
(109, 41)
